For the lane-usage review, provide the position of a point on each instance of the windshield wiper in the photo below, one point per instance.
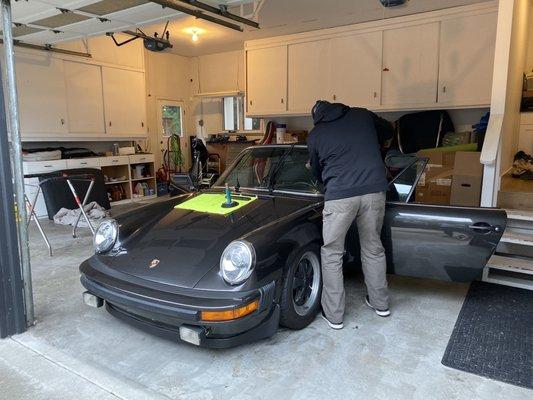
(273, 174)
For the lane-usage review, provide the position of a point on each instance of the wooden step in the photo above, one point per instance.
(515, 200)
(511, 264)
(519, 215)
(517, 237)
(509, 271)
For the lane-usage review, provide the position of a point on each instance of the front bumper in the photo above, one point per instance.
(163, 313)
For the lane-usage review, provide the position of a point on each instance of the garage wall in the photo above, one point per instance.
(220, 72)
(103, 49)
(167, 78)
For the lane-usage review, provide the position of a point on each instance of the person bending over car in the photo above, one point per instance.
(344, 154)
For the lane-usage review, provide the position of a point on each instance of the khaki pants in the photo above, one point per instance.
(368, 211)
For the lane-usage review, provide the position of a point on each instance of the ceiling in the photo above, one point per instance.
(56, 21)
(41, 21)
(281, 17)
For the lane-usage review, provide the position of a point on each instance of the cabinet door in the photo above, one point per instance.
(85, 102)
(355, 69)
(266, 80)
(410, 65)
(212, 66)
(308, 77)
(124, 102)
(42, 95)
(467, 59)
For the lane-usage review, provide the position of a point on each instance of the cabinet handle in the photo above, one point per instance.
(62, 121)
(142, 124)
(251, 102)
(444, 89)
(282, 100)
(375, 94)
(109, 123)
(386, 69)
(48, 166)
(83, 163)
(115, 161)
(334, 97)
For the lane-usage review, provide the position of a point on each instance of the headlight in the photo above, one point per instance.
(105, 236)
(237, 262)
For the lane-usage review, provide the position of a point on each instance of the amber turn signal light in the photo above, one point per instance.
(227, 315)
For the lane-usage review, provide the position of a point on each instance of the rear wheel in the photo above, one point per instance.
(302, 287)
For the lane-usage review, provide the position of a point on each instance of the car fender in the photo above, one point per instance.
(274, 242)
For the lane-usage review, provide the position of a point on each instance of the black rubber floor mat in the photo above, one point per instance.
(493, 335)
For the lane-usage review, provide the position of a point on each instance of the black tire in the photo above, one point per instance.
(295, 316)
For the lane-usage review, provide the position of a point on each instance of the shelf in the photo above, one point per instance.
(118, 202)
(146, 178)
(116, 182)
(147, 197)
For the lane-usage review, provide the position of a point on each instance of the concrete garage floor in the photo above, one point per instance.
(76, 352)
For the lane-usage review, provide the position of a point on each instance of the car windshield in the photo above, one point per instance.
(272, 167)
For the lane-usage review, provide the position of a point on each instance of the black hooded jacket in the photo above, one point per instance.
(344, 150)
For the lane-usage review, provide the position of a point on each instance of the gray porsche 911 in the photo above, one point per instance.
(193, 270)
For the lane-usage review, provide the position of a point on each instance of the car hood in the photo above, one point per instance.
(178, 247)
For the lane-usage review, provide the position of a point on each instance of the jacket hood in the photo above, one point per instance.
(324, 111)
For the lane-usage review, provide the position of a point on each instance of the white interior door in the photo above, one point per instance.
(124, 102)
(355, 69)
(266, 76)
(85, 101)
(308, 75)
(467, 59)
(42, 95)
(410, 65)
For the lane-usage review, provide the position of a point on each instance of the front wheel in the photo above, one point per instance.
(302, 288)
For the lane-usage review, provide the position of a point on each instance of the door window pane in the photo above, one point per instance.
(171, 120)
(402, 186)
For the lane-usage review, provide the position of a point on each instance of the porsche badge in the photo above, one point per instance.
(154, 263)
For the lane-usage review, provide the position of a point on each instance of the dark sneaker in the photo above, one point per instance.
(331, 324)
(522, 165)
(381, 313)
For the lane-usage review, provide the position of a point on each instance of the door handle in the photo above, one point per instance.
(481, 227)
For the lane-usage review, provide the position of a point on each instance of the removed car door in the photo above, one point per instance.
(435, 241)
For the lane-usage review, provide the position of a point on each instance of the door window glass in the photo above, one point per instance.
(402, 186)
(171, 117)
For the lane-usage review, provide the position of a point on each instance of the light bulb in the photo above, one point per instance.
(194, 36)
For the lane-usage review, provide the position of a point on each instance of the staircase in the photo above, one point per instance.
(512, 264)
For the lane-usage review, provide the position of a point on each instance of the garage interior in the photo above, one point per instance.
(135, 100)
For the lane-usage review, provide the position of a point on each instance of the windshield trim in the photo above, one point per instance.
(241, 188)
(316, 194)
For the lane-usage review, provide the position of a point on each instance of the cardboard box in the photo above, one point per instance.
(432, 193)
(434, 186)
(467, 179)
(438, 158)
(450, 178)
